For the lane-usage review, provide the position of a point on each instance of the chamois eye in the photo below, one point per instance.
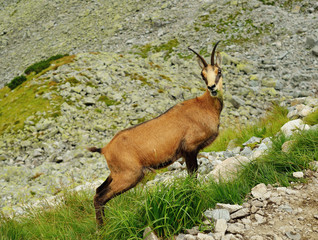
(219, 72)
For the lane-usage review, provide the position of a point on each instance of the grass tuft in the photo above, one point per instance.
(268, 126)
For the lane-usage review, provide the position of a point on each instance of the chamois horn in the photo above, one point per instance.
(213, 53)
(202, 59)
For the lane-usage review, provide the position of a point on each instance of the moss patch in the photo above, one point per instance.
(16, 106)
(107, 101)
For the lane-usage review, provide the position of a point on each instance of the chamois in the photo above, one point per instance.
(182, 131)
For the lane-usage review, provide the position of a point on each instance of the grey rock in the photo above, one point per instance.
(252, 140)
(193, 231)
(298, 174)
(315, 51)
(285, 208)
(202, 236)
(149, 235)
(230, 207)
(174, 166)
(240, 213)
(236, 228)
(246, 151)
(189, 237)
(220, 226)
(293, 235)
(259, 190)
(237, 102)
(293, 126)
(217, 214)
(88, 101)
(310, 42)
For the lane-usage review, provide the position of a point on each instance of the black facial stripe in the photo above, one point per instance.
(218, 77)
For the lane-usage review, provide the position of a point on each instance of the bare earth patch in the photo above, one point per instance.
(290, 213)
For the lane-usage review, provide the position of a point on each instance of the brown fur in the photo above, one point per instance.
(180, 132)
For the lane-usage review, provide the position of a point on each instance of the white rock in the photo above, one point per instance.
(149, 235)
(217, 214)
(236, 228)
(298, 174)
(189, 237)
(202, 236)
(228, 168)
(230, 207)
(220, 226)
(259, 190)
(240, 213)
(293, 126)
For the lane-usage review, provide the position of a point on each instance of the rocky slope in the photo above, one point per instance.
(130, 64)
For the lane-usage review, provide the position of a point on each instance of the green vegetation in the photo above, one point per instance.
(312, 118)
(40, 66)
(107, 101)
(275, 118)
(167, 47)
(167, 209)
(16, 81)
(233, 26)
(16, 106)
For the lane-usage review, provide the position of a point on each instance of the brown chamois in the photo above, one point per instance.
(182, 131)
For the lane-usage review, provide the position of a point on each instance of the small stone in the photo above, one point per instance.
(259, 190)
(252, 140)
(88, 101)
(189, 237)
(240, 213)
(257, 237)
(260, 219)
(180, 236)
(220, 226)
(285, 208)
(315, 51)
(202, 236)
(217, 214)
(287, 146)
(293, 236)
(236, 228)
(298, 174)
(174, 166)
(193, 231)
(230, 207)
(149, 235)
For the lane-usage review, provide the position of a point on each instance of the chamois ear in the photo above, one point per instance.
(201, 64)
(218, 59)
(201, 61)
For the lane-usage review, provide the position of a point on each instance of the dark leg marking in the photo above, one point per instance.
(191, 162)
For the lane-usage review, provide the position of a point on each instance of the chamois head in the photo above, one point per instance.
(211, 73)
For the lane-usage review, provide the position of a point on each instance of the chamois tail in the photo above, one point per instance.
(95, 149)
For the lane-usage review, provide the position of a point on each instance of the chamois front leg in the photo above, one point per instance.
(191, 162)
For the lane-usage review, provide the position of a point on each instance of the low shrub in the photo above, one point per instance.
(40, 66)
(16, 82)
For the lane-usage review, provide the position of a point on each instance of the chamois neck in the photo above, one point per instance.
(216, 100)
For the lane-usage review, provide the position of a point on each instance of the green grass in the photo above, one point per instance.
(25, 100)
(268, 126)
(167, 47)
(312, 118)
(108, 101)
(168, 210)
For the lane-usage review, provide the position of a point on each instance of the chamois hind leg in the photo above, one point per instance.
(191, 162)
(114, 185)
